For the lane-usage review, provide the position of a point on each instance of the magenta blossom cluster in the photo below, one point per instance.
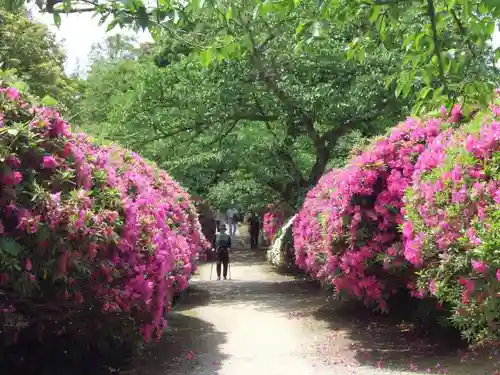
(347, 232)
(272, 221)
(453, 223)
(87, 228)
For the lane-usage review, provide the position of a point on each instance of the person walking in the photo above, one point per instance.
(231, 220)
(254, 224)
(222, 246)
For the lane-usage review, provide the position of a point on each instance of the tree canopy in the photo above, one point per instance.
(30, 52)
(248, 99)
(448, 72)
(253, 127)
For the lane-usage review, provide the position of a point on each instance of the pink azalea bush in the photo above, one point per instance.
(347, 233)
(93, 240)
(272, 221)
(452, 232)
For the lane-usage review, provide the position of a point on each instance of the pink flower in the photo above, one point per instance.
(14, 178)
(11, 92)
(272, 221)
(432, 287)
(471, 233)
(13, 161)
(456, 174)
(17, 177)
(349, 223)
(27, 264)
(496, 111)
(479, 266)
(407, 229)
(470, 143)
(49, 162)
(456, 113)
(138, 251)
(498, 274)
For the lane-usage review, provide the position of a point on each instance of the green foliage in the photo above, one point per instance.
(253, 128)
(446, 44)
(30, 52)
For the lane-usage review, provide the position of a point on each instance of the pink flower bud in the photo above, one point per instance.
(49, 162)
(27, 264)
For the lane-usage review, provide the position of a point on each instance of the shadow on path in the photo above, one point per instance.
(246, 258)
(281, 296)
(173, 355)
(190, 344)
(254, 284)
(383, 341)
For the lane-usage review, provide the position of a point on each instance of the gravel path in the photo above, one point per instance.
(267, 324)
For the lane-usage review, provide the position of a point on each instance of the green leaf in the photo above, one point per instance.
(407, 88)
(57, 19)
(256, 11)
(198, 4)
(10, 246)
(48, 101)
(21, 86)
(12, 131)
(374, 13)
(302, 26)
(388, 81)
(114, 22)
(423, 93)
(207, 56)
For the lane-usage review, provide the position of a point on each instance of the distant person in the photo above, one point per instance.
(254, 224)
(231, 214)
(222, 246)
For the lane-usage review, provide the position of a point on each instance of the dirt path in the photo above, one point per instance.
(267, 324)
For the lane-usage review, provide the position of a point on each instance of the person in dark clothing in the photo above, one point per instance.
(222, 246)
(254, 223)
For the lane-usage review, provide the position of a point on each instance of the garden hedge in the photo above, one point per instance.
(418, 211)
(452, 231)
(94, 240)
(347, 232)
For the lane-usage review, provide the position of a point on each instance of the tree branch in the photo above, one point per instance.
(284, 155)
(225, 134)
(431, 11)
(293, 108)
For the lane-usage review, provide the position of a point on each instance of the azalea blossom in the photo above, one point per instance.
(114, 233)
